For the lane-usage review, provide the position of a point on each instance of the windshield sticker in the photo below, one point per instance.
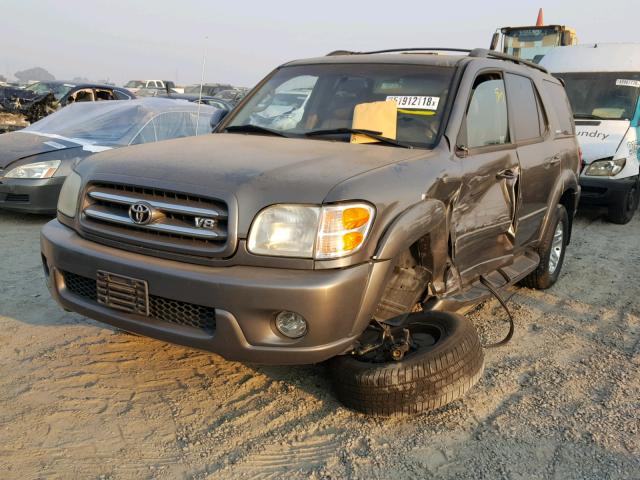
(425, 113)
(414, 102)
(56, 145)
(628, 83)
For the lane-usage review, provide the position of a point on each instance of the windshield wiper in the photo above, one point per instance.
(369, 133)
(249, 128)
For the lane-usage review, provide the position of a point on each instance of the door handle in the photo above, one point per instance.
(506, 174)
(553, 160)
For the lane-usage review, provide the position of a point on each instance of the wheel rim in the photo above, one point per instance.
(556, 248)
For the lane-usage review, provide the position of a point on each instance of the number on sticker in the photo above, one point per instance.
(415, 102)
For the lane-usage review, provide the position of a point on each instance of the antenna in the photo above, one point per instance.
(204, 62)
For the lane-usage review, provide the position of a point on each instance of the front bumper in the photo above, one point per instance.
(337, 304)
(30, 195)
(604, 191)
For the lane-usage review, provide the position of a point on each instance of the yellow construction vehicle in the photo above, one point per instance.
(532, 43)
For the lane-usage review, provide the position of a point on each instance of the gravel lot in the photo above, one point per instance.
(81, 400)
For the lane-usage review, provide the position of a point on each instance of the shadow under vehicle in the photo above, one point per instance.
(403, 188)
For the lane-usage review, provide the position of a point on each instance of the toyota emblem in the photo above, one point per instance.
(140, 213)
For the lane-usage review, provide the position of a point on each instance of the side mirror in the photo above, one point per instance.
(217, 117)
(494, 41)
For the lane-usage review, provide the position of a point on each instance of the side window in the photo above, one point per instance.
(487, 120)
(121, 95)
(543, 120)
(146, 135)
(561, 107)
(524, 108)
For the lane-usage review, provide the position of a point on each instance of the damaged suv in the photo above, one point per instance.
(409, 187)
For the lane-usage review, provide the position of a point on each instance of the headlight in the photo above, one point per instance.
(605, 168)
(35, 170)
(331, 231)
(68, 199)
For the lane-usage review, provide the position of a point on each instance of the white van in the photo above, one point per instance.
(603, 82)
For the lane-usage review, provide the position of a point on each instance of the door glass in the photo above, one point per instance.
(487, 121)
(524, 114)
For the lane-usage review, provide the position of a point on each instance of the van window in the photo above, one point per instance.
(487, 121)
(524, 111)
(561, 106)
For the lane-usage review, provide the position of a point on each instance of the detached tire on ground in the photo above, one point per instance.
(448, 362)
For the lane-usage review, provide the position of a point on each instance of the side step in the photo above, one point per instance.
(501, 278)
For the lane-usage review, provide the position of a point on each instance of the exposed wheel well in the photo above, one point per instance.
(411, 274)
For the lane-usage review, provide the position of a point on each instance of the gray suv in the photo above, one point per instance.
(353, 224)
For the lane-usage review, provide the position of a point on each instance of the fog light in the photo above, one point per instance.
(291, 324)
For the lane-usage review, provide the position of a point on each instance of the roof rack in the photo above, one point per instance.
(484, 53)
(398, 50)
(476, 52)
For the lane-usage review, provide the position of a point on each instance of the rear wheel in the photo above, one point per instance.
(551, 251)
(623, 210)
(445, 360)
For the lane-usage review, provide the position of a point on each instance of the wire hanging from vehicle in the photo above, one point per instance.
(496, 294)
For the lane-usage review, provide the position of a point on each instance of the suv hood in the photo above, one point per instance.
(257, 170)
(600, 138)
(18, 145)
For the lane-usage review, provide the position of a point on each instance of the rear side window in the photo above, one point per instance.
(487, 121)
(561, 107)
(121, 95)
(525, 117)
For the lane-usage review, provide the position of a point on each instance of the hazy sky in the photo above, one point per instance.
(129, 39)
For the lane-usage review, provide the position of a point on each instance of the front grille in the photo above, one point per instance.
(17, 197)
(81, 286)
(160, 308)
(177, 222)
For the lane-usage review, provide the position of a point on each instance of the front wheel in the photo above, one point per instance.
(623, 210)
(551, 250)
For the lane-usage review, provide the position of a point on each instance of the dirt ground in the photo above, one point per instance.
(561, 401)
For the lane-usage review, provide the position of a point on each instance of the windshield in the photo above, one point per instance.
(602, 95)
(119, 123)
(531, 43)
(59, 90)
(301, 99)
(134, 84)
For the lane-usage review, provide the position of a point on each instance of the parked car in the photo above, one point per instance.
(189, 97)
(412, 187)
(20, 107)
(232, 96)
(34, 162)
(208, 89)
(603, 85)
(135, 85)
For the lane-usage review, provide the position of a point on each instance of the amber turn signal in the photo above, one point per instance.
(355, 217)
(352, 240)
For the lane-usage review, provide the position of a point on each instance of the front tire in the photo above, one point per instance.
(551, 251)
(623, 210)
(428, 378)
